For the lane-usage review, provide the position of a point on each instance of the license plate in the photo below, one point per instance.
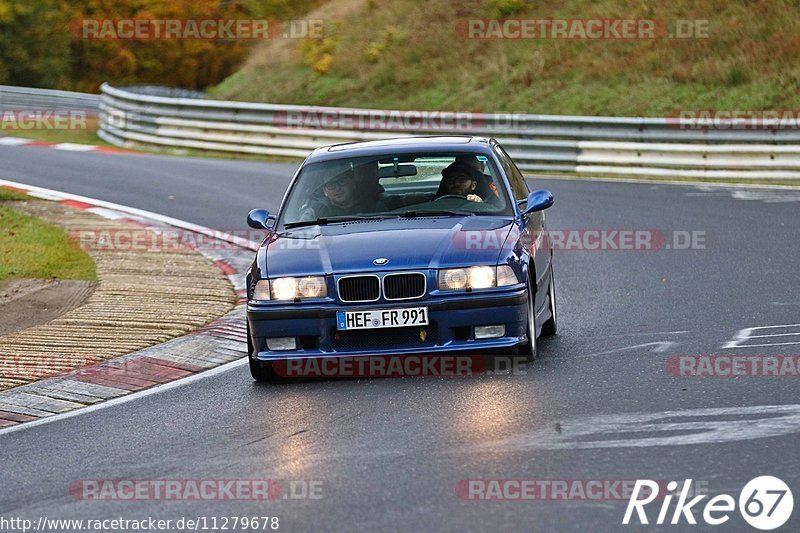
(382, 318)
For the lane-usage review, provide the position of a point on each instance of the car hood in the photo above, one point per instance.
(408, 243)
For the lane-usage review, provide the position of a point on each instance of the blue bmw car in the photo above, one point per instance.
(408, 246)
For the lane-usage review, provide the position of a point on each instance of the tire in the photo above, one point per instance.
(528, 350)
(249, 341)
(550, 327)
(260, 371)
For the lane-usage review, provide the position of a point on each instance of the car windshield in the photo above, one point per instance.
(395, 185)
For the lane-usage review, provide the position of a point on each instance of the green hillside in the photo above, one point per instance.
(408, 54)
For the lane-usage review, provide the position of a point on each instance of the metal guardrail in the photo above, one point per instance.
(545, 143)
(26, 98)
(607, 145)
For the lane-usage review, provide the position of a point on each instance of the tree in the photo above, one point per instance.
(34, 43)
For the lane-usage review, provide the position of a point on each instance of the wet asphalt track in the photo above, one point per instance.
(389, 453)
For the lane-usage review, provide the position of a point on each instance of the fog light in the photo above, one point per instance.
(490, 332)
(282, 343)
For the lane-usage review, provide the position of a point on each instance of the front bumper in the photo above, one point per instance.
(452, 319)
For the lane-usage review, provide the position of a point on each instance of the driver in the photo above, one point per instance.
(458, 180)
(486, 187)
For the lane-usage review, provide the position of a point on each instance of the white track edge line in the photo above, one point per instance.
(158, 388)
(127, 398)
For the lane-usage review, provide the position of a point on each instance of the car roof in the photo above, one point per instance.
(403, 145)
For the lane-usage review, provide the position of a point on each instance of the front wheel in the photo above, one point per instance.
(259, 370)
(528, 350)
(550, 327)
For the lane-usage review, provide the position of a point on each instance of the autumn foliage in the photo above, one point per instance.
(41, 44)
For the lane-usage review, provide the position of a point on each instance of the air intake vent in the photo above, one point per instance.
(359, 222)
(380, 338)
(359, 288)
(404, 286)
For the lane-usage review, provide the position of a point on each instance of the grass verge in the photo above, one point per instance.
(32, 248)
(408, 54)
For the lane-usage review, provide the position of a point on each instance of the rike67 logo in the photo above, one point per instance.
(765, 503)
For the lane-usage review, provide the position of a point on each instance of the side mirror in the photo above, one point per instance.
(260, 219)
(538, 201)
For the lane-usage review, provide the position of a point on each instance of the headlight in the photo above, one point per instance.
(284, 288)
(292, 288)
(312, 287)
(477, 277)
(453, 279)
(482, 277)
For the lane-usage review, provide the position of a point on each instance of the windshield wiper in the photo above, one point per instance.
(406, 214)
(442, 212)
(329, 220)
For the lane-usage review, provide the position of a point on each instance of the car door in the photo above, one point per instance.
(533, 232)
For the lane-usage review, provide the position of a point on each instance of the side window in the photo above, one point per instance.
(515, 177)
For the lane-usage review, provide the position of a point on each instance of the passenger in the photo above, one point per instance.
(342, 197)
